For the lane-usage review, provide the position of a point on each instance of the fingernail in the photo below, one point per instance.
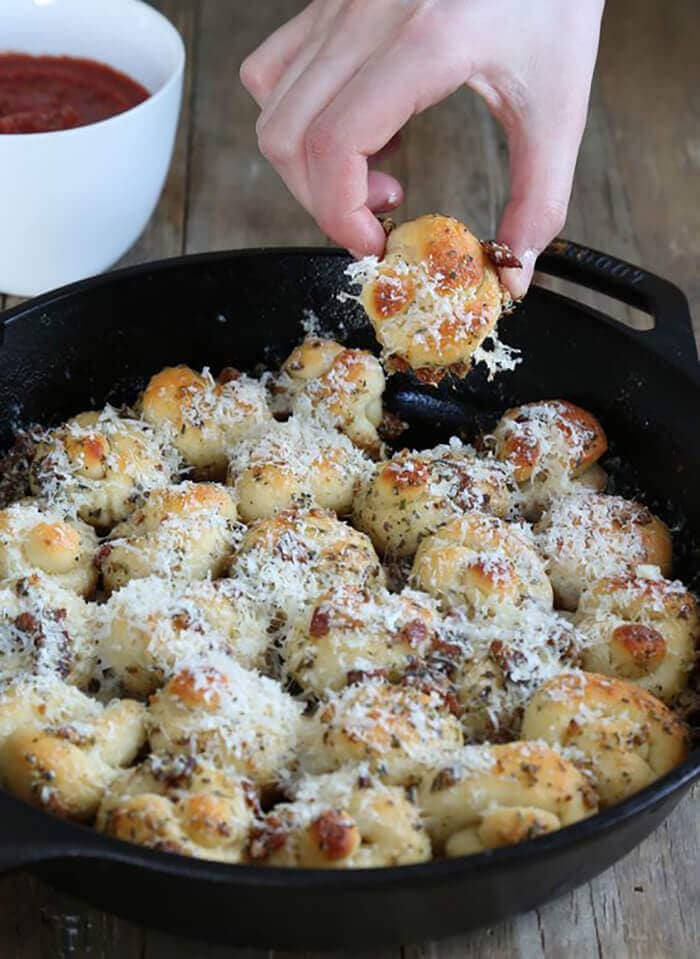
(518, 280)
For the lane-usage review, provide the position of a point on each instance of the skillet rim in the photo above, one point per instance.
(644, 338)
(94, 843)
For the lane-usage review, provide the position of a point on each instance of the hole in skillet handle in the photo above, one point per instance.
(671, 337)
(609, 306)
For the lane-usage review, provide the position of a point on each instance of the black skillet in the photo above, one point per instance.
(98, 340)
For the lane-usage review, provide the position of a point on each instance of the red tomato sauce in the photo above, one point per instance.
(41, 94)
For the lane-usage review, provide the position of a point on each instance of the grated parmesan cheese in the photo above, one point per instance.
(420, 320)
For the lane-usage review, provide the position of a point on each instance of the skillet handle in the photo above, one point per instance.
(672, 336)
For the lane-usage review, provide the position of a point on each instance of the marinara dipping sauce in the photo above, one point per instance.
(41, 94)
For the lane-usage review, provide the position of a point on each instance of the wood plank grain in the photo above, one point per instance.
(599, 214)
(236, 199)
(499, 940)
(19, 913)
(165, 234)
(160, 945)
(650, 80)
(658, 897)
(37, 922)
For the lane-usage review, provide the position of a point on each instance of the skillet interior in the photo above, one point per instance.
(100, 340)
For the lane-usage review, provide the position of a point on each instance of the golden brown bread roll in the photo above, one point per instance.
(434, 298)
(180, 805)
(184, 532)
(299, 463)
(60, 750)
(624, 737)
(230, 716)
(342, 820)
(481, 563)
(400, 731)
(101, 465)
(413, 494)
(205, 417)
(29, 700)
(549, 436)
(288, 560)
(590, 536)
(37, 537)
(46, 630)
(151, 625)
(642, 628)
(341, 387)
(493, 796)
(553, 447)
(503, 660)
(351, 630)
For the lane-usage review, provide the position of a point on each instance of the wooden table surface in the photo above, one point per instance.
(637, 195)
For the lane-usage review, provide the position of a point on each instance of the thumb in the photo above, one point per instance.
(542, 163)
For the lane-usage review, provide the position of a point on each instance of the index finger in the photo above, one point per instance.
(359, 122)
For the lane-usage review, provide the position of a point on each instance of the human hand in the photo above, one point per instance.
(338, 82)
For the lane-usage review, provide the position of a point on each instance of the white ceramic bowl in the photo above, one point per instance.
(73, 201)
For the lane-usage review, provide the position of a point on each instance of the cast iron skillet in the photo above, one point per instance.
(100, 339)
